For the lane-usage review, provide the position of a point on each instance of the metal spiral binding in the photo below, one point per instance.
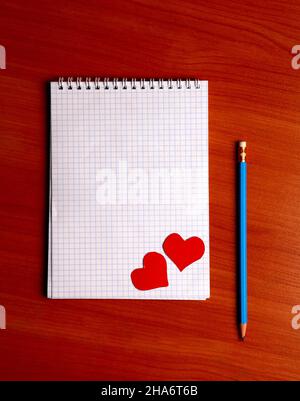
(123, 83)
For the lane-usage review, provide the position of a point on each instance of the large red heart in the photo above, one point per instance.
(183, 252)
(153, 274)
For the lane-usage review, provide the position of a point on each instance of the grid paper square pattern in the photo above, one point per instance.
(128, 168)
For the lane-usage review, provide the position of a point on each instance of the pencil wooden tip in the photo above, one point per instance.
(243, 330)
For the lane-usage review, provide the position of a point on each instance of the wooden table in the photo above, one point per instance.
(244, 50)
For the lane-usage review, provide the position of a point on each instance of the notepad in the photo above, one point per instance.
(128, 167)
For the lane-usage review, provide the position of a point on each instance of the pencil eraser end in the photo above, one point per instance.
(242, 151)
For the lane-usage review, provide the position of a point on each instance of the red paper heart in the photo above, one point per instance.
(153, 274)
(183, 252)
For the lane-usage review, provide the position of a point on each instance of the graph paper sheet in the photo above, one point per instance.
(128, 168)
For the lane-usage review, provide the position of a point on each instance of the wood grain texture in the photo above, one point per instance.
(244, 50)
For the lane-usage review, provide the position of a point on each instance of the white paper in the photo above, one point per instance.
(128, 168)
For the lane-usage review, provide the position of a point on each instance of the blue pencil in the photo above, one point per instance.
(243, 313)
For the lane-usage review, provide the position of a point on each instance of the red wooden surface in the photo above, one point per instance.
(243, 49)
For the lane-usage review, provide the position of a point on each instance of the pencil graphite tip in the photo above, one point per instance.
(243, 330)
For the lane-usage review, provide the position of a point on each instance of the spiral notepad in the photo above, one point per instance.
(129, 166)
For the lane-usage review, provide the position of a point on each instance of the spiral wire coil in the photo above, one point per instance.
(123, 83)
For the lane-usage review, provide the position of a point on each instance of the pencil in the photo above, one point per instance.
(242, 216)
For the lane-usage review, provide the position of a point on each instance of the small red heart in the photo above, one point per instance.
(153, 274)
(183, 252)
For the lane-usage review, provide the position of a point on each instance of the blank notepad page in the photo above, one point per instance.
(129, 166)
